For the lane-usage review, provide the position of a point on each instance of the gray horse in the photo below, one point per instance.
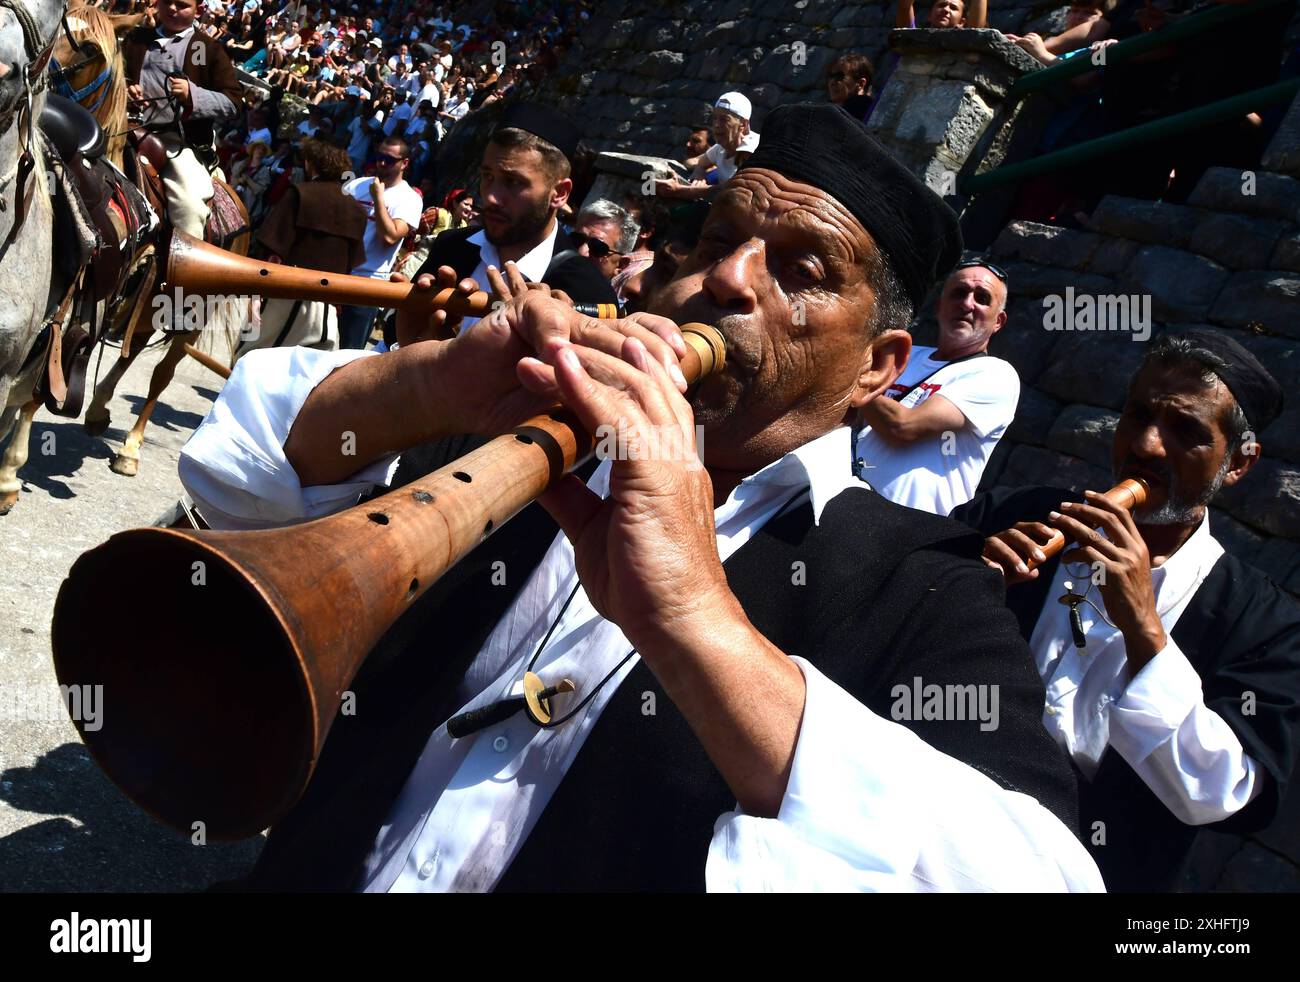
(27, 29)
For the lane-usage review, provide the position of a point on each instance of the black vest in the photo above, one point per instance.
(885, 594)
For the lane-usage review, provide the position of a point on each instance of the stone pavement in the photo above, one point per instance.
(63, 825)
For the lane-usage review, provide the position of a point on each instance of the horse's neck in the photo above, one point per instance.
(10, 149)
(25, 262)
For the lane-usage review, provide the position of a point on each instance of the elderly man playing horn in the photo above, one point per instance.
(756, 643)
(1172, 669)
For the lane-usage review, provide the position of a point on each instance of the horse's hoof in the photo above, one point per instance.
(126, 466)
(7, 500)
(94, 427)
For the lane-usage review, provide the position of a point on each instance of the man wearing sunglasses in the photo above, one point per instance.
(392, 209)
(848, 83)
(926, 445)
(605, 233)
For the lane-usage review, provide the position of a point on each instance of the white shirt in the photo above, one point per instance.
(361, 131)
(727, 166)
(869, 805)
(403, 203)
(400, 114)
(431, 93)
(457, 108)
(532, 264)
(1157, 721)
(940, 473)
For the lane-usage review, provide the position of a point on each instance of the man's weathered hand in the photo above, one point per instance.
(499, 372)
(413, 327)
(1125, 582)
(647, 554)
(1010, 552)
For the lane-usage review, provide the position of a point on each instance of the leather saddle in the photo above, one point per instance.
(101, 224)
(72, 129)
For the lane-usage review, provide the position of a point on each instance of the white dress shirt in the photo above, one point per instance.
(532, 264)
(1157, 720)
(869, 806)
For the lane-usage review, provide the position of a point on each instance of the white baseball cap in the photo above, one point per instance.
(734, 103)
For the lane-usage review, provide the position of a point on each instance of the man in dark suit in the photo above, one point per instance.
(523, 182)
(1172, 669)
(768, 655)
(178, 65)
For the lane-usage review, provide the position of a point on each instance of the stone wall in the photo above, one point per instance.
(1230, 258)
(1227, 259)
(643, 73)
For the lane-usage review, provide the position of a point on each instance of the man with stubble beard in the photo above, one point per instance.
(523, 182)
(1172, 669)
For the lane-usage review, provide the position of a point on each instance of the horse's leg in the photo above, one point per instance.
(127, 462)
(137, 337)
(15, 456)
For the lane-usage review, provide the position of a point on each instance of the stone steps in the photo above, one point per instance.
(1225, 260)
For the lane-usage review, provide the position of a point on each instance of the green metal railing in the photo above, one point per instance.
(1122, 51)
(1112, 143)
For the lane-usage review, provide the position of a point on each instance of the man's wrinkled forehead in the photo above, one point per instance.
(773, 201)
(1181, 388)
(976, 277)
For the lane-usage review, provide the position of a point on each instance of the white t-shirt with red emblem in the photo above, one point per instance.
(942, 472)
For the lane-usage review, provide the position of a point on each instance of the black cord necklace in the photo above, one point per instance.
(474, 720)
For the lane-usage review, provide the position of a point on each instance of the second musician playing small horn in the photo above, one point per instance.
(1172, 669)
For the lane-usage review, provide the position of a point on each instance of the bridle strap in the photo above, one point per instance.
(62, 74)
(98, 84)
(67, 32)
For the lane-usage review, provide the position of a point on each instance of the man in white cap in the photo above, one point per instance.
(735, 143)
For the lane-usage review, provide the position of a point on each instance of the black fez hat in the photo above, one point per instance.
(1257, 392)
(822, 145)
(542, 121)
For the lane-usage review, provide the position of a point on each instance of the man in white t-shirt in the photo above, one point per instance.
(393, 208)
(927, 444)
(429, 90)
(736, 142)
(400, 116)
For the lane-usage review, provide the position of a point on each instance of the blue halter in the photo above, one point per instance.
(98, 84)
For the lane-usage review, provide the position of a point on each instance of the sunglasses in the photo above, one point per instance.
(840, 77)
(993, 268)
(598, 249)
(388, 159)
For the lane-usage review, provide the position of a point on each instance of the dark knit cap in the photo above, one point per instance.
(822, 145)
(1257, 392)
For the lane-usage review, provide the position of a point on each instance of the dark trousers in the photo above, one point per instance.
(354, 326)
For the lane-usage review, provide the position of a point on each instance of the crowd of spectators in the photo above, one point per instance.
(381, 79)
(372, 71)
